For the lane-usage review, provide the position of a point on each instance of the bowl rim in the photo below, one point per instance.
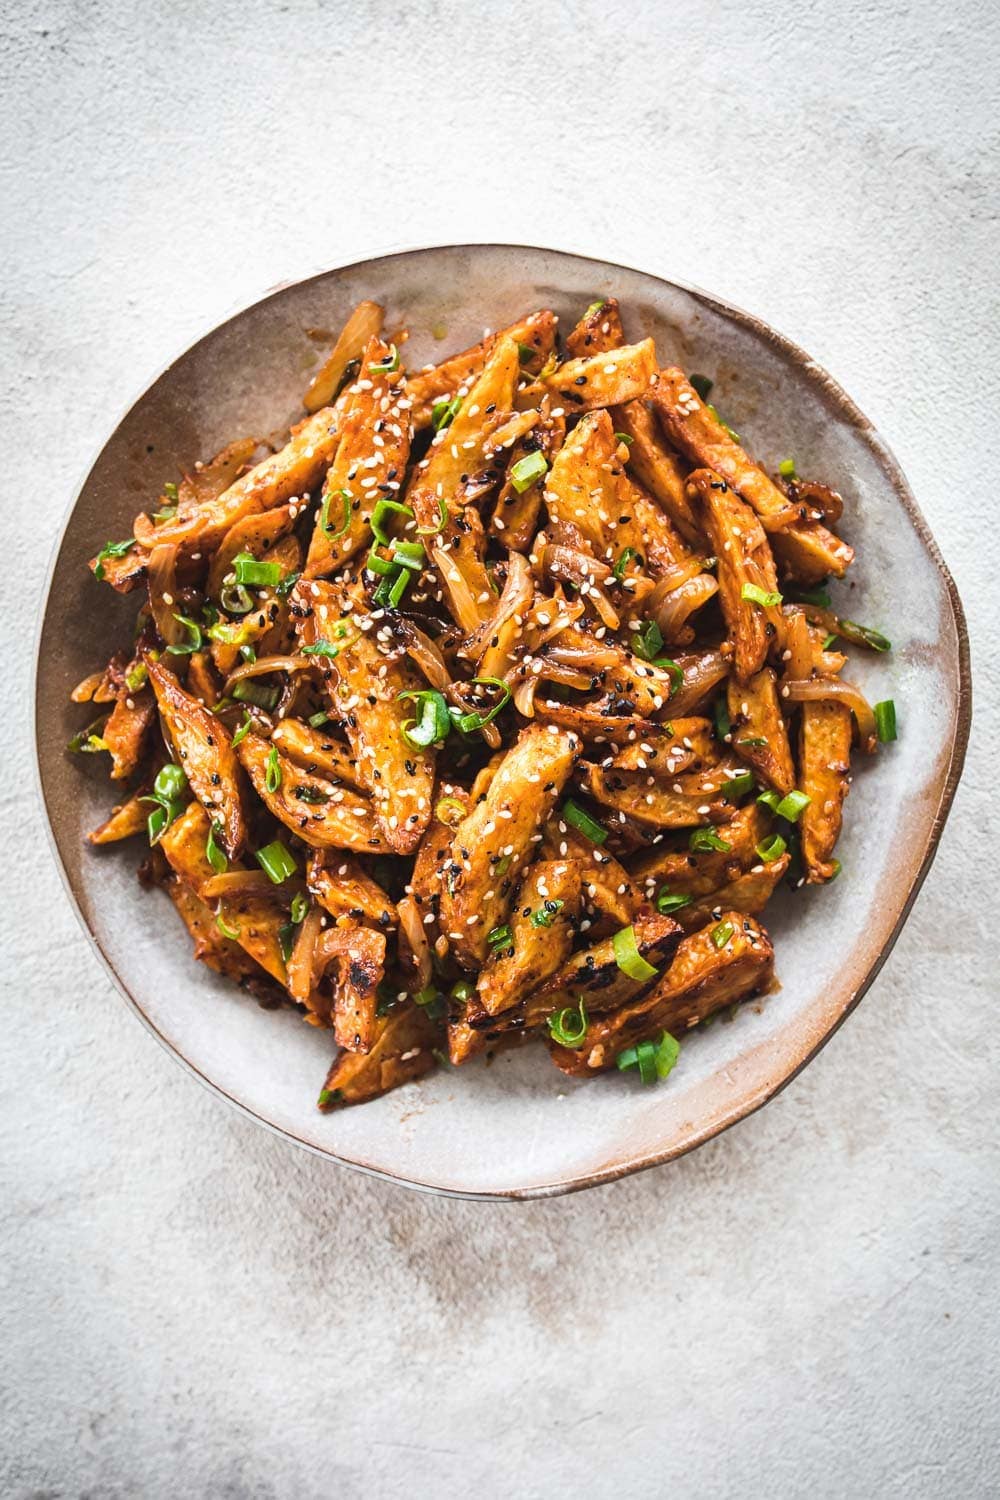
(803, 1055)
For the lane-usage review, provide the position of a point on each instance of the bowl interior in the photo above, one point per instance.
(517, 1126)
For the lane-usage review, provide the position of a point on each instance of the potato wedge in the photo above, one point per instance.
(403, 1049)
(598, 330)
(343, 889)
(205, 750)
(658, 804)
(593, 974)
(744, 561)
(658, 468)
(683, 872)
(704, 976)
(748, 893)
(257, 535)
(316, 751)
(210, 947)
(322, 814)
(358, 955)
(581, 490)
(758, 731)
(542, 923)
(126, 731)
(607, 379)
(126, 820)
(495, 842)
(441, 382)
(824, 772)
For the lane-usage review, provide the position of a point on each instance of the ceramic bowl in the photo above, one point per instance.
(517, 1128)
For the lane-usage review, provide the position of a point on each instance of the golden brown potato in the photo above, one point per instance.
(744, 561)
(493, 844)
(607, 379)
(705, 975)
(344, 890)
(594, 973)
(658, 468)
(255, 534)
(535, 333)
(581, 491)
(358, 954)
(322, 814)
(598, 330)
(695, 798)
(542, 924)
(205, 750)
(515, 518)
(126, 820)
(824, 770)
(684, 872)
(403, 1049)
(126, 731)
(317, 751)
(749, 893)
(210, 947)
(758, 731)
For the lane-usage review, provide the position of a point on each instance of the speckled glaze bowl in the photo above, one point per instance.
(517, 1128)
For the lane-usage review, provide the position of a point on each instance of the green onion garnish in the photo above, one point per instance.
(383, 509)
(442, 520)
(595, 307)
(653, 1059)
(111, 549)
(787, 468)
(863, 635)
(286, 939)
(737, 785)
(528, 470)
(433, 722)
(215, 856)
(568, 1027)
(88, 741)
(771, 848)
(723, 723)
(276, 862)
(702, 385)
(885, 721)
(248, 653)
(299, 908)
(443, 413)
(706, 840)
(399, 586)
(462, 991)
(232, 933)
(316, 721)
(345, 515)
(667, 901)
(321, 648)
(721, 934)
(766, 598)
(409, 554)
(171, 491)
(249, 570)
(628, 958)
(194, 644)
(499, 937)
(525, 352)
(789, 808)
(379, 565)
(754, 741)
(240, 734)
(629, 555)
(137, 677)
(545, 914)
(388, 365)
(248, 691)
(623, 437)
(571, 812)
(477, 718)
(272, 775)
(829, 641)
(235, 600)
(647, 642)
(724, 425)
(286, 585)
(170, 781)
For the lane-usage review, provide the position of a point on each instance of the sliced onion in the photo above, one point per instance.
(702, 674)
(303, 962)
(798, 646)
(672, 578)
(265, 664)
(568, 562)
(594, 657)
(518, 592)
(426, 654)
(672, 614)
(161, 579)
(236, 883)
(524, 695)
(413, 929)
(835, 690)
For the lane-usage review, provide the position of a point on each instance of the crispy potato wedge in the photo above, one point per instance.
(126, 731)
(364, 324)
(748, 893)
(663, 751)
(343, 889)
(641, 524)
(358, 953)
(205, 750)
(808, 549)
(744, 560)
(607, 379)
(658, 468)
(658, 804)
(598, 330)
(206, 482)
(256, 534)
(364, 684)
(683, 872)
(403, 1049)
(702, 978)
(581, 490)
(441, 382)
(755, 717)
(371, 458)
(542, 924)
(126, 820)
(515, 518)
(220, 953)
(316, 751)
(824, 770)
(495, 842)
(593, 973)
(322, 814)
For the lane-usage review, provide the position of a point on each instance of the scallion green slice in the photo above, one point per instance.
(577, 817)
(499, 937)
(443, 413)
(863, 635)
(170, 782)
(721, 933)
(195, 642)
(241, 732)
(528, 470)
(111, 549)
(383, 509)
(316, 721)
(345, 514)
(885, 721)
(707, 841)
(257, 574)
(772, 848)
(386, 366)
(766, 598)
(232, 933)
(628, 958)
(738, 785)
(669, 901)
(786, 468)
(248, 690)
(433, 721)
(272, 773)
(321, 648)
(629, 555)
(702, 384)
(215, 855)
(276, 862)
(545, 914)
(568, 1027)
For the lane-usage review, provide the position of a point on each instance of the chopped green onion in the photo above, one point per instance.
(791, 807)
(628, 958)
(427, 995)
(667, 902)
(286, 939)
(88, 741)
(653, 1059)
(328, 1096)
(525, 352)
(830, 641)
(249, 691)
(723, 723)
(399, 587)
(787, 468)
(450, 811)
(137, 677)
(478, 719)
(170, 490)
(766, 598)
(623, 437)
(706, 840)
(379, 565)
(443, 413)
(249, 570)
(248, 653)
(885, 721)
(528, 470)
(194, 644)
(721, 934)
(668, 1050)
(433, 722)
(287, 584)
(300, 906)
(388, 365)
(345, 515)
(595, 307)
(276, 862)
(316, 721)
(863, 635)
(310, 794)
(321, 648)
(240, 734)
(170, 782)
(441, 522)
(754, 741)
(737, 785)
(629, 555)
(409, 554)
(818, 597)
(645, 1057)
(232, 933)
(571, 812)
(673, 670)
(545, 914)
(462, 991)
(837, 867)
(771, 848)
(157, 823)
(702, 385)
(386, 508)
(502, 865)
(647, 642)
(272, 775)
(568, 1027)
(499, 937)
(235, 600)
(111, 549)
(724, 425)
(215, 856)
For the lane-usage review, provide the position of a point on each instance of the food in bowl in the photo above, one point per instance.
(492, 706)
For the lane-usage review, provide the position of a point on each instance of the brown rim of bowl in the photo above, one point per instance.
(748, 1106)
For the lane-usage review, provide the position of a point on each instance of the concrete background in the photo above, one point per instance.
(806, 1306)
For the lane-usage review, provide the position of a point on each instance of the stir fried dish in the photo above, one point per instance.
(493, 706)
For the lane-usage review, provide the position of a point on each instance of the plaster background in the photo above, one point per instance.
(805, 1306)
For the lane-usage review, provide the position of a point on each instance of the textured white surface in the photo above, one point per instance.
(805, 1306)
